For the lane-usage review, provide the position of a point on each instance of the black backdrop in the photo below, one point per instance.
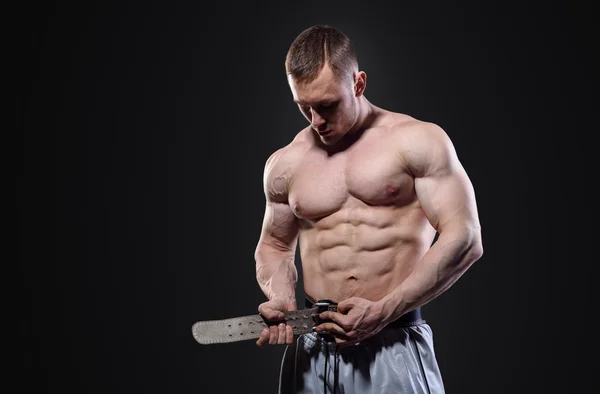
(144, 128)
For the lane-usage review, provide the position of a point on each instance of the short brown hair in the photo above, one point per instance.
(319, 45)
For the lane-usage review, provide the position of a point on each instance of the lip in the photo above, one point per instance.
(324, 133)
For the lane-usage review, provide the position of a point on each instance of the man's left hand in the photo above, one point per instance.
(355, 320)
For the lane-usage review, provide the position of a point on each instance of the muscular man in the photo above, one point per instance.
(362, 191)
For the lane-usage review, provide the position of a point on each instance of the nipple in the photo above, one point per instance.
(392, 190)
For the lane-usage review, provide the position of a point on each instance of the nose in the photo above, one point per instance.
(318, 123)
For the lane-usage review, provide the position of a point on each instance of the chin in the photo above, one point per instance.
(330, 139)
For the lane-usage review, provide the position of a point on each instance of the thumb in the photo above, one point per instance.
(269, 312)
(345, 306)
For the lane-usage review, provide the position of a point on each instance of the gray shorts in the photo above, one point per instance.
(396, 360)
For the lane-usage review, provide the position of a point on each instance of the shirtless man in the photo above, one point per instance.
(363, 191)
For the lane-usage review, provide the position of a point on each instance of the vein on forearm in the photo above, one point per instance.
(276, 273)
(444, 263)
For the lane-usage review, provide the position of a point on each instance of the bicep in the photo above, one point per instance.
(279, 228)
(447, 197)
(442, 185)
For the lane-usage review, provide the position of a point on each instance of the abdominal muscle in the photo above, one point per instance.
(362, 251)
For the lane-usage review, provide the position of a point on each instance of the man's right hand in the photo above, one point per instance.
(281, 333)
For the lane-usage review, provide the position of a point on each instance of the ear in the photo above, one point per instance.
(360, 83)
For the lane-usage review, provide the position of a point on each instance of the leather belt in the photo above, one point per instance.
(250, 327)
(302, 321)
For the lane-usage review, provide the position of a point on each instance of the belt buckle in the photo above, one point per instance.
(324, 306)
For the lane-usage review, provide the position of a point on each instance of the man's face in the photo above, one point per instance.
(328, 103)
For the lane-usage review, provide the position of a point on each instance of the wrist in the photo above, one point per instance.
(285, 298)
(391, 308)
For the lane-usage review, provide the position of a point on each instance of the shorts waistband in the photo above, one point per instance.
(412, 318)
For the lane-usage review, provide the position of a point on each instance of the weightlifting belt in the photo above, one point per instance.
(250, 327)
(302, 322)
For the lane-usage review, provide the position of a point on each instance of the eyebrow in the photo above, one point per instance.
(329, 101)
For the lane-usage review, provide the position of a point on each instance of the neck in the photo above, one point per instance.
(367, 114)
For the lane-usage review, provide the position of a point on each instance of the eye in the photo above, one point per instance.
(329, 105)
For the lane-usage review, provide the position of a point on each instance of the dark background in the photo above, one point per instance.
(143, 128)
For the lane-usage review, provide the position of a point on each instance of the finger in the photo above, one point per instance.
(346, 305)
(346, 341)
(281, 334)
(340, 319)
(339, 340)
(264, 337)
(289, 334)
(330, 328)
(270, 314)
(273, 335)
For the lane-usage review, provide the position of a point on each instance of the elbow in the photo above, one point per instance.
(262, 253)
(475, 250)
(467, 239)
(469, 244)
(258, 255)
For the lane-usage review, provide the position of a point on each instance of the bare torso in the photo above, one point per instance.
(362, 229)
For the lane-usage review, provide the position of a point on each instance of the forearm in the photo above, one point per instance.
(276, 273)
(445, 262)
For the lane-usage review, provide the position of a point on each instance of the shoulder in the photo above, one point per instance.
(289, 155)
(419, 131)
(407, 129)
(281, 164)
(424, 146)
